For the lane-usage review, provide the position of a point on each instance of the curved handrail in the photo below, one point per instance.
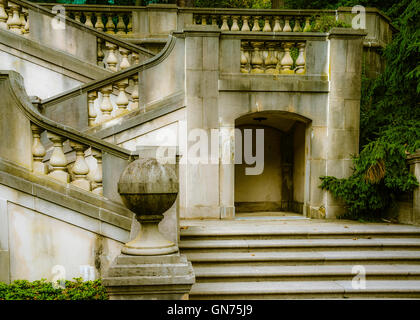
(104, 36)
(161, 56)
(18, 92)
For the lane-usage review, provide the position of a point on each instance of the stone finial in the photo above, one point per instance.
(149, 189)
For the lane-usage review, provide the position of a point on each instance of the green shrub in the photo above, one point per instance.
(324, 23)
(43, 290)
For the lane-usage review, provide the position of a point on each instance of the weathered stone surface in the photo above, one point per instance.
(150, 278)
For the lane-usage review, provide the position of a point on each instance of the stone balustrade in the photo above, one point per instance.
(112, 54)
(113, 57)
(256, 23)
(113, 100)
(59, 167)
(120, 23)
(14, 17)
(273, 57)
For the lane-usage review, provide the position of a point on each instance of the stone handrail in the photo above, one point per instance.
(16, 16)
(97, 93)
(79, 174)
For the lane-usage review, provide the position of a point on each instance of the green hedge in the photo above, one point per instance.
(43, 290)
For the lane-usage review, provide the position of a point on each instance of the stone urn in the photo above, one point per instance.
(149, 189)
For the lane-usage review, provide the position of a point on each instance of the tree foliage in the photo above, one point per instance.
(390, 126)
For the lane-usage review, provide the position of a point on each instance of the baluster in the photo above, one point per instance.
(135, 93)
(297, 27)
(225, 26)
(106, 105)
(136, 58)
(287, 61)
(256, 60)
(99, 25)
(77, 16)
(124, 64)
(120, 25)
(244, 58)
(267, 26)
(9, 18)
(203, 20)
(195, 16)
(235, 26)
(287, 27)
(97, 186)
(22, 21)
(307, 24)
(300, 61)
(3, 15)
(14, 23)
(58, 160)
(277, 26)
(130, 24)
(38, 151)
(214, 21)
(110, 27)
(26, 27)
(111, 60)
(88, 21)
(279, 54)
(271, 59)
(91, 108)
(256, 26)
(100, 53)
(122, 100)
(80, 167)
(245, 24)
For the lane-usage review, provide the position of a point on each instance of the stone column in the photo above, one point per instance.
(414, 162)
(346, 52)
(201, 96)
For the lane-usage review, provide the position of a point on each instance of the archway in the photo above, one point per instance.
(280, 187)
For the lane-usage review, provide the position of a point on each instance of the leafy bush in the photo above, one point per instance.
(43, 290)
(390, 127)
(324, 23)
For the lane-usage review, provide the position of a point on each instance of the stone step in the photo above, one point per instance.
(251, 273)
(305, 289)
(191, 246)
(272, 230)
(311, 257)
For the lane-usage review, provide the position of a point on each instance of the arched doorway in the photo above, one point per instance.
(280, 186)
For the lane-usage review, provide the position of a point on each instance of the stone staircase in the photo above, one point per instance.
(277, 259)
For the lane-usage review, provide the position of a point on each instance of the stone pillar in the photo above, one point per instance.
(346, 52)
(201, 78)
(227, 172)
(414, 162)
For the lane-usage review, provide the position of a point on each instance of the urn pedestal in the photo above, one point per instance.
(150, 266)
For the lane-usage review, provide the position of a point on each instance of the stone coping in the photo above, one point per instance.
(271, 83)
(18, 93)
(81, 26)
(58, 61)
(100, 209)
